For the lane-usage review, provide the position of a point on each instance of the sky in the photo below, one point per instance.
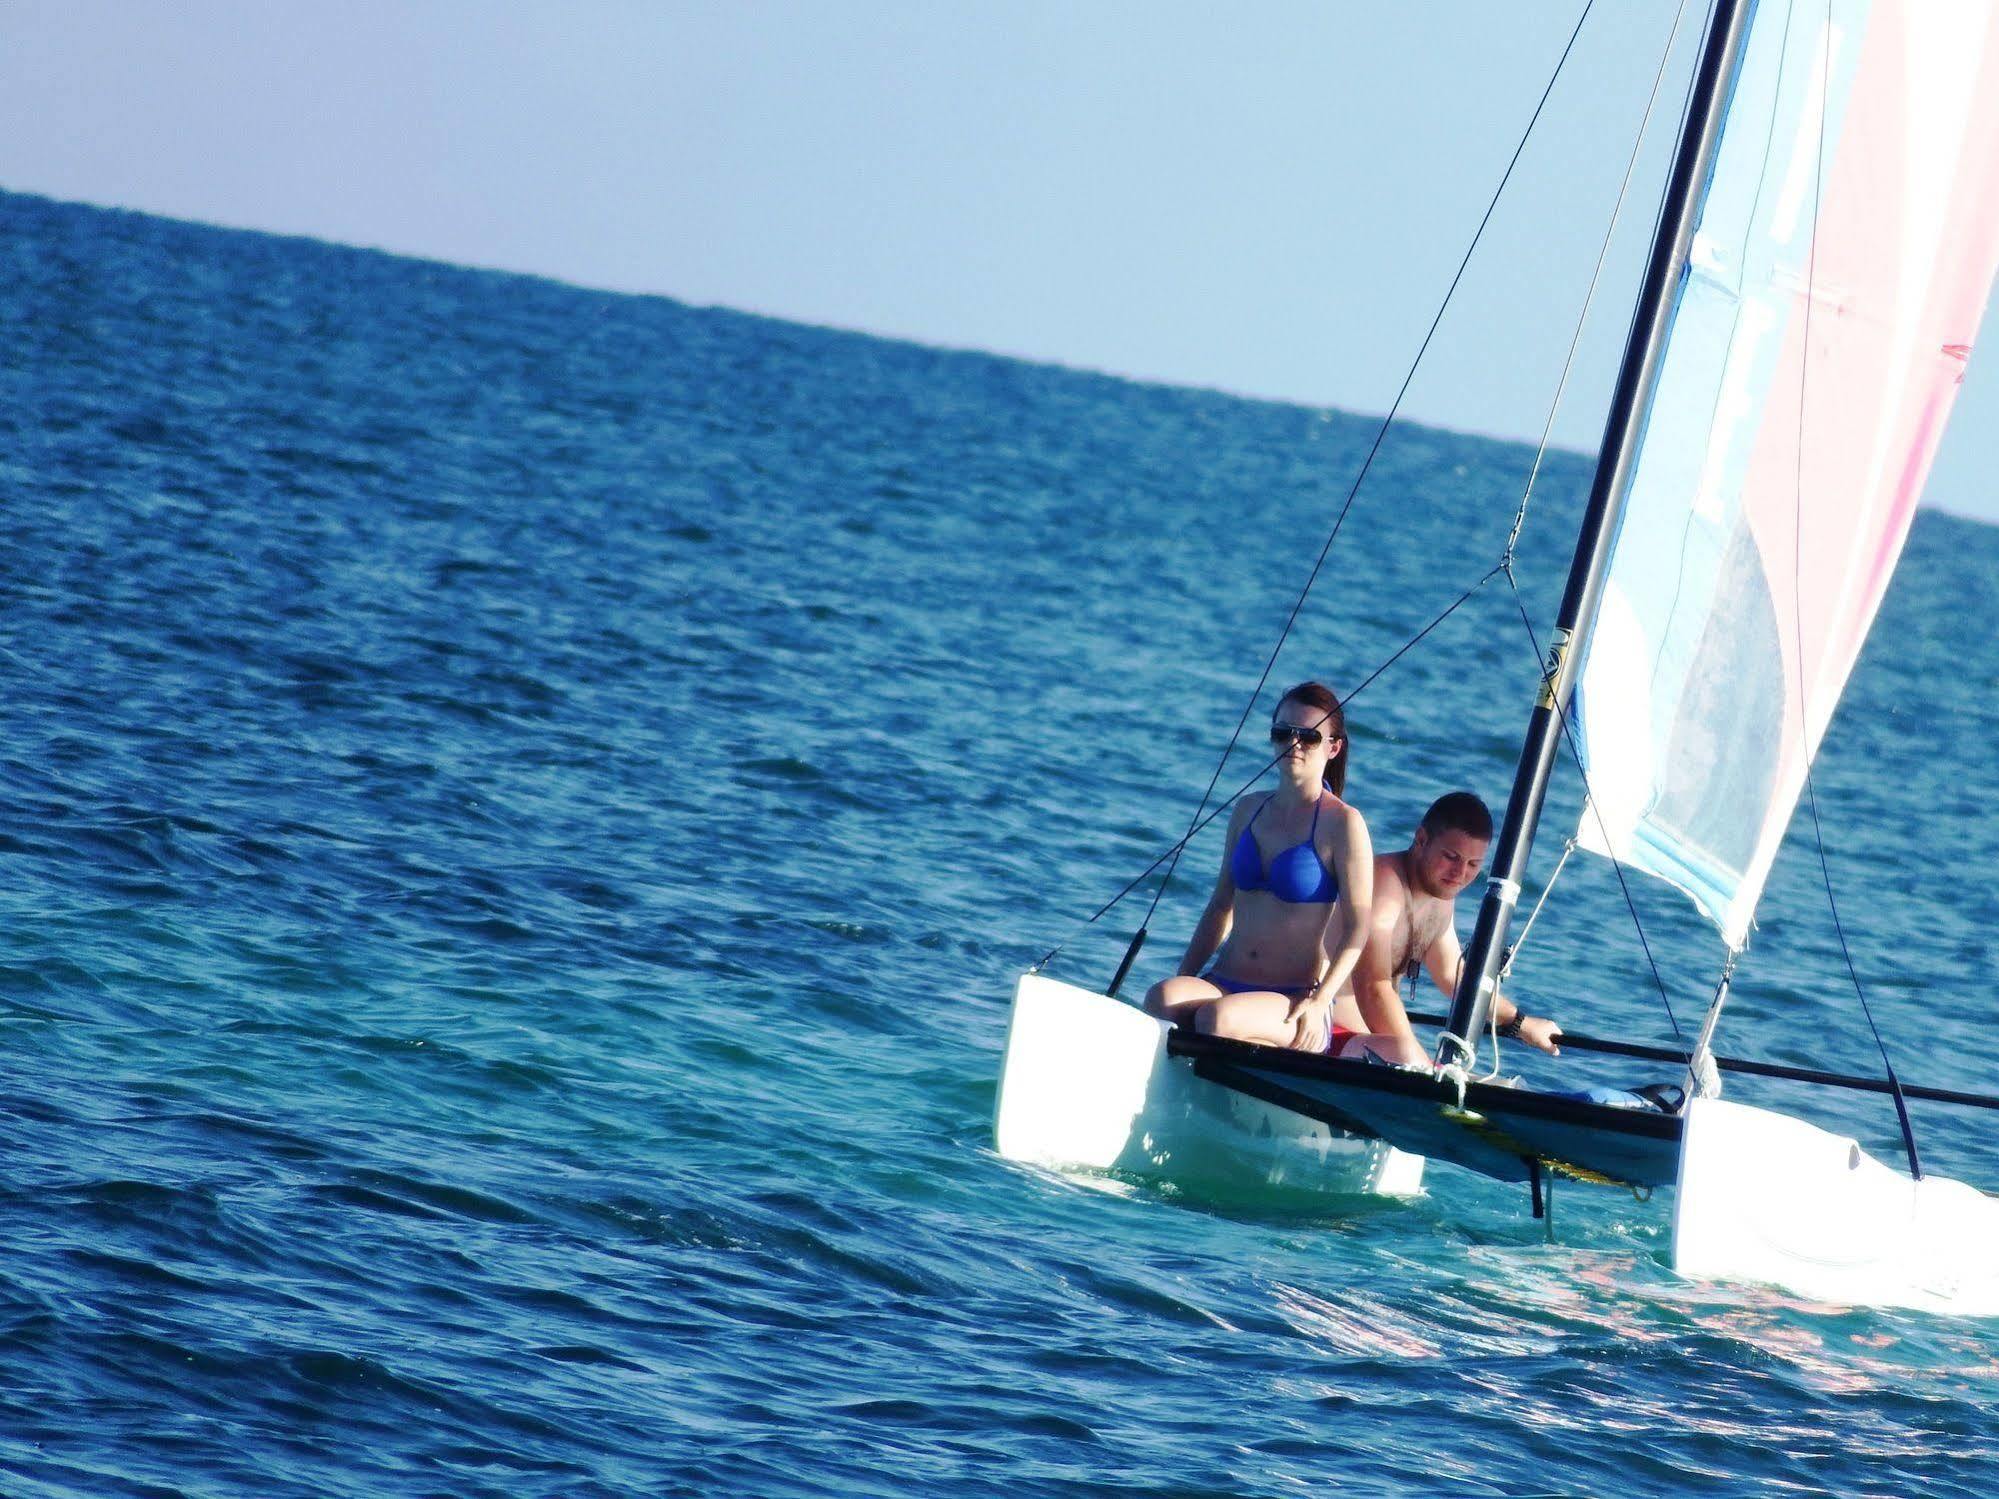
(1269, 199)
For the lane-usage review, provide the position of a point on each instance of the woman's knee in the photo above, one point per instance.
(1232, 1020)
(1176, 998)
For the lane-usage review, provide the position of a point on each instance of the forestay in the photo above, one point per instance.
(1798, 377)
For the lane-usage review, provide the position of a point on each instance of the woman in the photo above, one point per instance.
(1294, 857)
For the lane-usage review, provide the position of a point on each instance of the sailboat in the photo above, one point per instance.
(1824, 251)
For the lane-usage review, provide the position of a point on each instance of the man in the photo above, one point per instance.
(1413, 926)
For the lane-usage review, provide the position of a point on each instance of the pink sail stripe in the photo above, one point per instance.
(1880, 376)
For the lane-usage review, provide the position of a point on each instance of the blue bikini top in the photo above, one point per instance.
(1297, 876)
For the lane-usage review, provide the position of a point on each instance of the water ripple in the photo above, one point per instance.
(523, 806)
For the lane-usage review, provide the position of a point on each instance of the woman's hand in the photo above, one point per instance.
(1312, 1015)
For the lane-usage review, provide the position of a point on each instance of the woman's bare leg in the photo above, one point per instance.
(1260, 1015)
(1177, 998)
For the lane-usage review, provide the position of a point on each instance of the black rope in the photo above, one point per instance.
(1575, 754)
(1165, 854)
(1894, 1082)
(1797, 608)
(1379, 437)
(1417, 639)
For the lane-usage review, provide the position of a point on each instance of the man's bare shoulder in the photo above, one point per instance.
(1391, 889)
(1388, 875)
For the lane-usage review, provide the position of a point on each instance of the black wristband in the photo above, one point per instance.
(1511, 1030)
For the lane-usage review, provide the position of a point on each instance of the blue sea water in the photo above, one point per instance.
(523, 808)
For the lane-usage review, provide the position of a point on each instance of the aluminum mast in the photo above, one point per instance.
(1720, 58)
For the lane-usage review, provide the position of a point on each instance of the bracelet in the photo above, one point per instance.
(1511, 1030)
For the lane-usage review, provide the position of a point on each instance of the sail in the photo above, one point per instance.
(1845, 249)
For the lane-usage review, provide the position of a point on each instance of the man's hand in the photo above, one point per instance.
(1538, 1031)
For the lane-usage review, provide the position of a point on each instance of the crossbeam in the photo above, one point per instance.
(1757, 1069)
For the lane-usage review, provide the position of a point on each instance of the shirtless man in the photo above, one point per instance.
(1412, 926)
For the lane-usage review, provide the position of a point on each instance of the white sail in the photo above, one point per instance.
(1845, 250)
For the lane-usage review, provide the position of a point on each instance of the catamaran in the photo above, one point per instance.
(1825, 247)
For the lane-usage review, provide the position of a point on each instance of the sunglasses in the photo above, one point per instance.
(1285, 734)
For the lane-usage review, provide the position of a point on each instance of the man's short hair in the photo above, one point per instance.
(1459, 812)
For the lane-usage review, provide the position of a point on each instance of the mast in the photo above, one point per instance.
(1720, 57)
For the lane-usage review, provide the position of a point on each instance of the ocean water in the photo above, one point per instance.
(523, 808)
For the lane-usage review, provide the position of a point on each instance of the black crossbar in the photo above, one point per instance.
(1757, 1069)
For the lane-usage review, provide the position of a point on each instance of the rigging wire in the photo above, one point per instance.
(1703, 1073)
(1169, 852)
(1596, 275)
(1589, 800)
(1569, 846)
(1228, 801)
(1417, 639)
(1797, 603)
(1380, 435)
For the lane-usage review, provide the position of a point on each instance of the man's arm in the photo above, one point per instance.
(1445, 960)
(1374, 991)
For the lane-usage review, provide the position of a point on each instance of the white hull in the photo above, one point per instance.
(1087, 1084)
(1764, 1197)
